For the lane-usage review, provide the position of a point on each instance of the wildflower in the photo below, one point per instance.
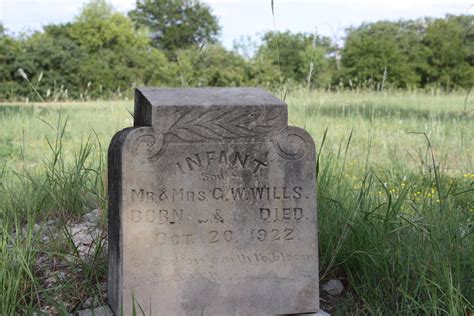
(22, 73)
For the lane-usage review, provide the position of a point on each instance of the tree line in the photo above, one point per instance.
(103, 54)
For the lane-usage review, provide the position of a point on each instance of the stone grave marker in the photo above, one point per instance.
(212, 206)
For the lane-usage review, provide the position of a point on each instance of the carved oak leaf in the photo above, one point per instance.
(265, 123)
(192, 126)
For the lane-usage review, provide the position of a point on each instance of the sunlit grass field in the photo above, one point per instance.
(395, 191)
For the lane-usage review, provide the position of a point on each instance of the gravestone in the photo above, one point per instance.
(212, 206)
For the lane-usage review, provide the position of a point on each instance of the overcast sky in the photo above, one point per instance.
(251, 17)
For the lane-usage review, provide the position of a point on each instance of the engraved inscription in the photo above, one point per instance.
(207, 176)
(205, 266)
(217, 193)
(215, 218)
(222, 158)
(217, 225)
(174, 239)
(159, 217)
(216, 236)
(171, 195)
(273, 234)
(281, 214)
(239, 257)
(257, 193)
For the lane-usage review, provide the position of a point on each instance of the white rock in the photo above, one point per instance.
(36, 228)
(333, 287)
(88, 303)
(51, 222)
(92, 217)
(62, 276)
(51, 280)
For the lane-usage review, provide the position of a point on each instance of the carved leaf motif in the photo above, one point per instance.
(192, 126)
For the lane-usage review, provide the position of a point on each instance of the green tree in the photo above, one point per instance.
(176, 24)
(410, 41)
(261, 72)
(118, 54)
(99, 54)
(10, 49)
(56, 59)
(98, 27)
(40, 58)
(303, 58)
(212, 65)
(375, 55)
(450, 44)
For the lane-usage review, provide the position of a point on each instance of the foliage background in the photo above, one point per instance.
(104, 54)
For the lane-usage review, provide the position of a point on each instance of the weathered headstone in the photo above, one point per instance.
(212, 206)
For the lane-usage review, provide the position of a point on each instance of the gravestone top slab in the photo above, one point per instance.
(212, 206)
(150, 102)
(208, 97)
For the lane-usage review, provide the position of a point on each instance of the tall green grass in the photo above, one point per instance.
(404, 243)
(60, 184)
(395, 191)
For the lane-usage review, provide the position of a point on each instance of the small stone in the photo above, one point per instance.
(36, 227)
(96, 311)
(92, 217)
(85, 237)
(333, 287)
(51, 222)
(51, 280)
(88, 303)
(62, 276)
(41, 259)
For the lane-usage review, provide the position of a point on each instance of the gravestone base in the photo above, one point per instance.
(106, 311)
